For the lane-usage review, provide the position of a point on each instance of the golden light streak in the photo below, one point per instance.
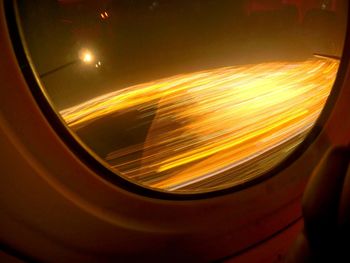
(214, 128)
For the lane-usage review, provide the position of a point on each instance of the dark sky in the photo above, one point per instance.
(143, 40)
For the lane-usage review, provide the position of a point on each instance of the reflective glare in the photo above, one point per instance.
(214, 127)
(87, 57)
(187, 96)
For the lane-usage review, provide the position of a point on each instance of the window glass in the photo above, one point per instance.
(187, 96)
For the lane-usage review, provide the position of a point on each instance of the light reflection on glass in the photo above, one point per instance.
(86, 56)
(209, 125)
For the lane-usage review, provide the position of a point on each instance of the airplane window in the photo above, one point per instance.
(187, 96)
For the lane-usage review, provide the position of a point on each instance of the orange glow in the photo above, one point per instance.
(215, 128)
(86, 56)
(104, 15)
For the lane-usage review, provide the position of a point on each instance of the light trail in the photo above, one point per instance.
(208, 124)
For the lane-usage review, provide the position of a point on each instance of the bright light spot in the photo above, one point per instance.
(86, 56)
(104, 15)
(98, 64)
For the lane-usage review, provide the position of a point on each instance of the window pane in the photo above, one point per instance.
(187, 96)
